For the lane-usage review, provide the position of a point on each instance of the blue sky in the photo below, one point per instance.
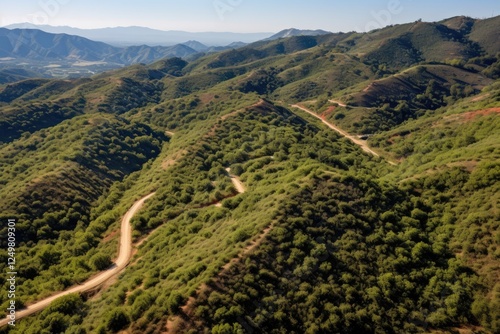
(239, 15)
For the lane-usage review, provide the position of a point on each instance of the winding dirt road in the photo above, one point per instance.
(341, 104)
(120, 263)
(355, 140)
(342, 132)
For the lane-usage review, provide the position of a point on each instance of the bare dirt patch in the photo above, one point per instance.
(206, 98)
(326, 114)
(480, 97)
(368, 87)
(173, 159)
(468, 116)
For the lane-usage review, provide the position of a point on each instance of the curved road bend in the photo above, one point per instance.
(120, 263)
(236, 181)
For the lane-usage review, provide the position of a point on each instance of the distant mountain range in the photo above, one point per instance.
(38, 45)
(127, 36)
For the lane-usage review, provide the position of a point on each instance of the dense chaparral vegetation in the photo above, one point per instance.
(326, 239)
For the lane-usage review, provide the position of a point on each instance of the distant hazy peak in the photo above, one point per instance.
(297, 32)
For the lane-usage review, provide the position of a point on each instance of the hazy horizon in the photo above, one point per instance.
(145, 27)
(238, 16)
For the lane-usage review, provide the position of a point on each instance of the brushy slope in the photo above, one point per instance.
(349, 242)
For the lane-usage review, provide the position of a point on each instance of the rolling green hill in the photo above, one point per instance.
(325, 239)
(52, 180)
(483, 33)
